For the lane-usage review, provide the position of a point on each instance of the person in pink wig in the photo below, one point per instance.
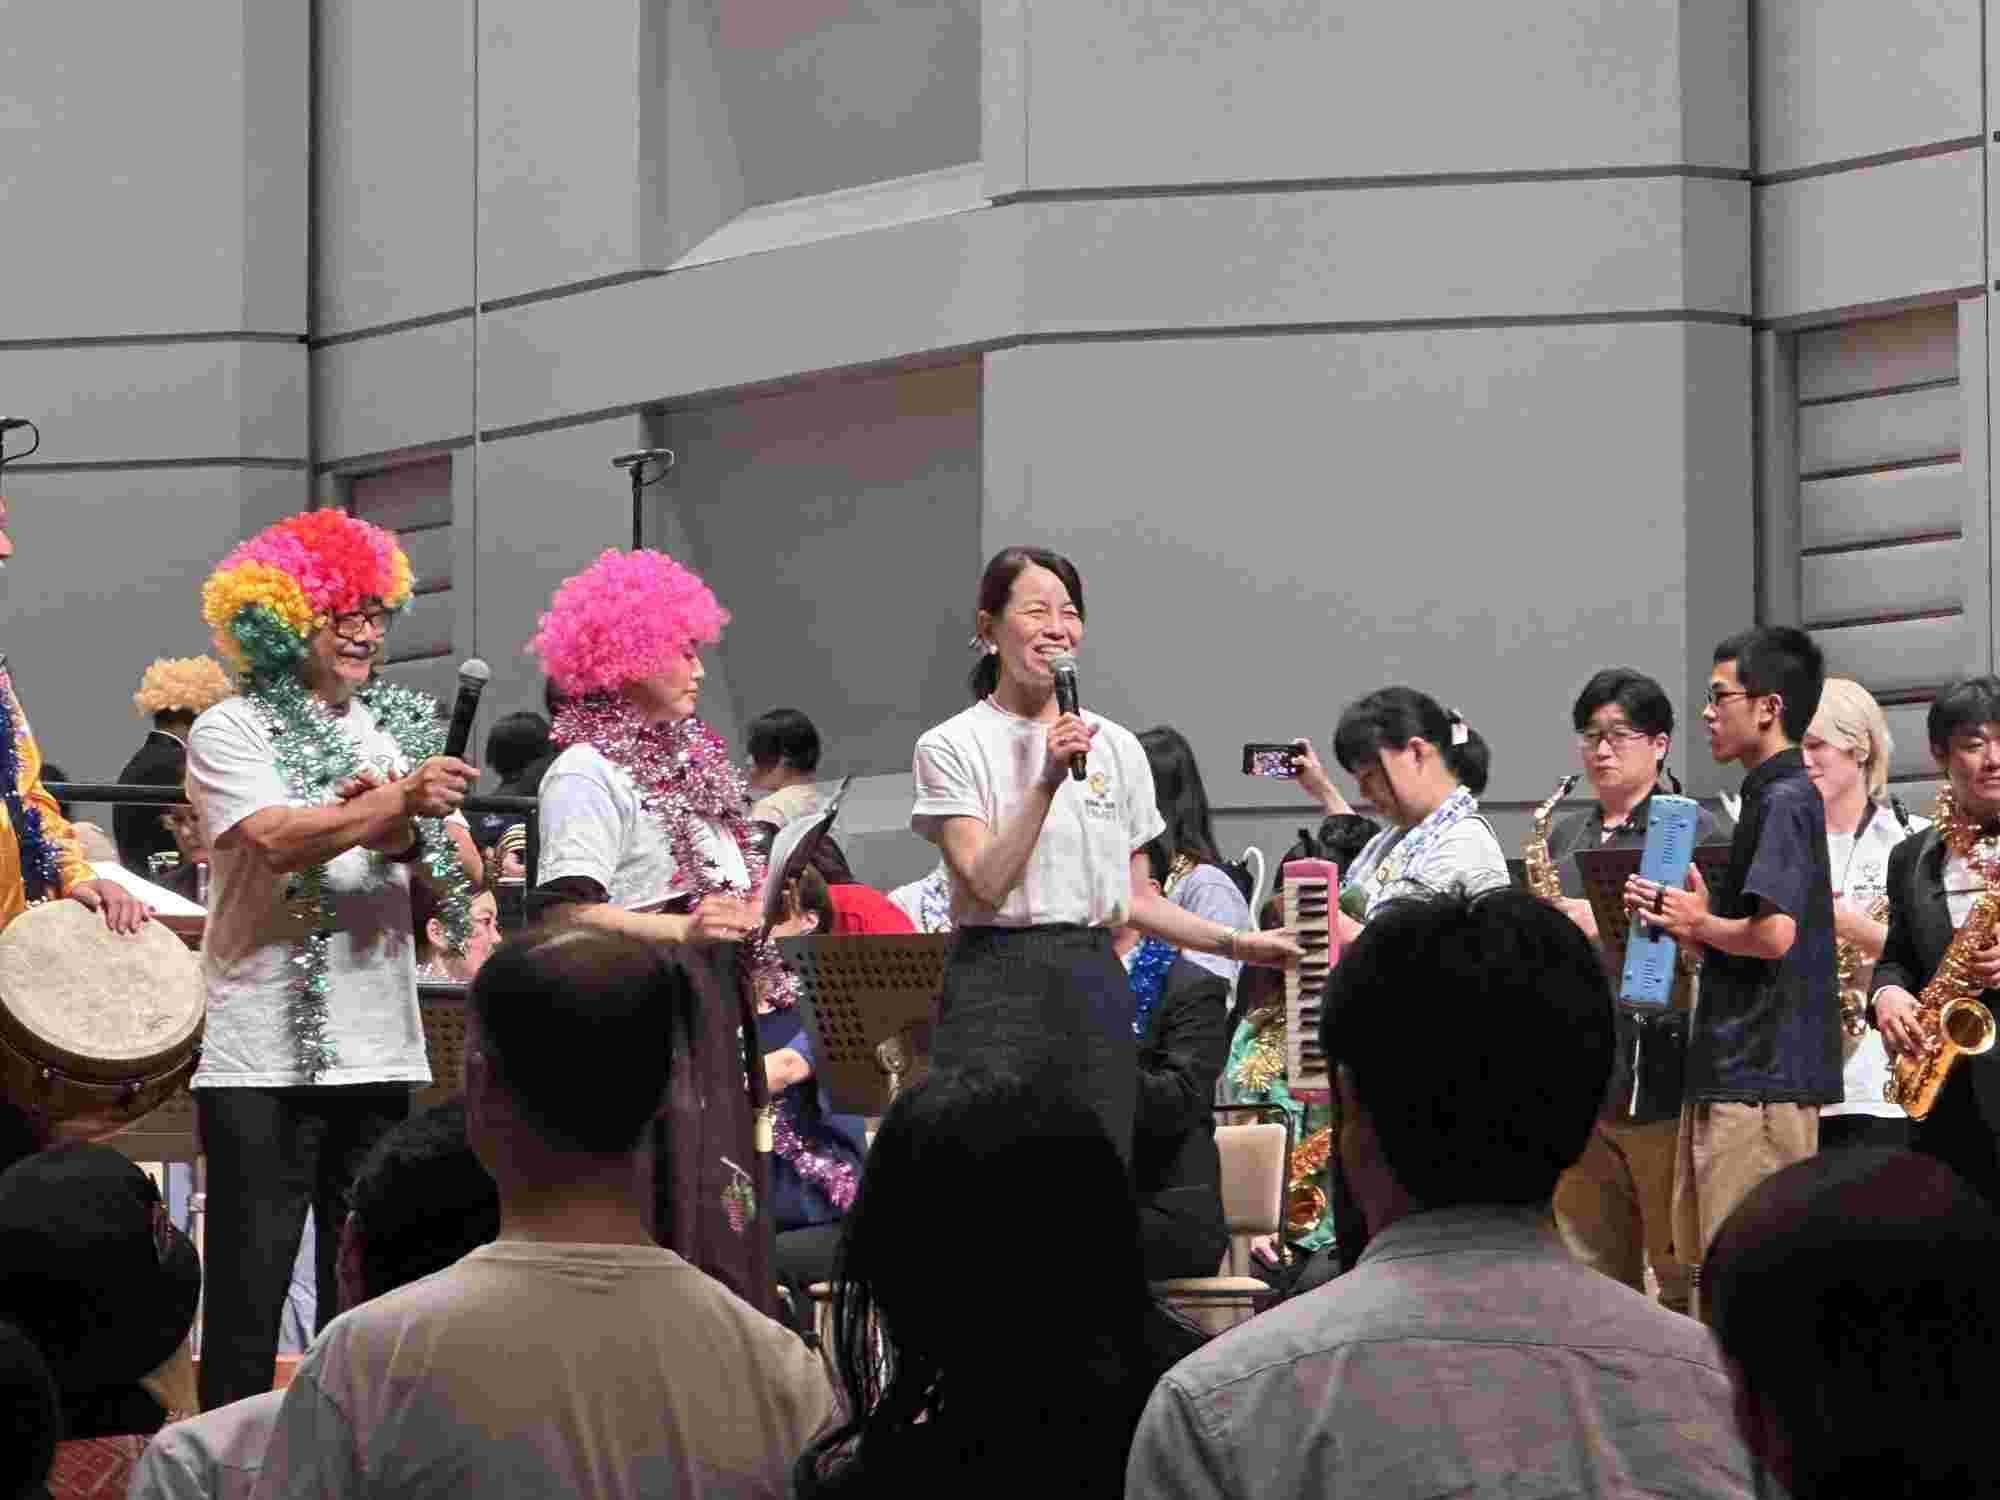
(644, 832)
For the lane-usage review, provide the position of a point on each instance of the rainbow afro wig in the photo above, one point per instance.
(627, 616)
(265, 599)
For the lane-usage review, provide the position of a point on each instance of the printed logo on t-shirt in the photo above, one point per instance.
(1098, 802)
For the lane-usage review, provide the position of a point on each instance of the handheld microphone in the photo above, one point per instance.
(1064, 668)
(473, 675)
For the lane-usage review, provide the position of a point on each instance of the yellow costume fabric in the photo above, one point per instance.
(62, 838)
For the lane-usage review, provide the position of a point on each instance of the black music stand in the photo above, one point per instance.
(1605, 872)
(856, 993)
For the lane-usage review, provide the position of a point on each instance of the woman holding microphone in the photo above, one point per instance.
(1042, 865)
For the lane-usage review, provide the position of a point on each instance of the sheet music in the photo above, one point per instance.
(792, 851)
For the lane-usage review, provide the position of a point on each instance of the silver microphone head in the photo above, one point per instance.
(1063, 665)
(473, 670)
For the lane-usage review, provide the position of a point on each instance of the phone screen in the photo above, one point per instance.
(1271, 760)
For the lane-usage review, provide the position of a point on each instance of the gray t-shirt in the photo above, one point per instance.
(374, 1025)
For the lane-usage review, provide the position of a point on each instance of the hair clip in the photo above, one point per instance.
(1460, 730)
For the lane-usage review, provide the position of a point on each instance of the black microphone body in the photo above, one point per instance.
(1064, 668)
(472, 676)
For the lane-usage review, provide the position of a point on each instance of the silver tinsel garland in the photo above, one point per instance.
(314, 756)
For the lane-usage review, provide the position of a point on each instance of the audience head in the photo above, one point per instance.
(95, 1272)
(1180, 795)
(420, 1201)
(433, 943)
(515, 742)
(1028, 597)
(1624, 722)
(570, 1046)
(1435, 1109)
(1854, 1295)
(991, 1149)
(784, 748)
(1401, 744)
(1775, 673)
(1848, 741)
(511, 853)
(30, 1416)
(808, 906)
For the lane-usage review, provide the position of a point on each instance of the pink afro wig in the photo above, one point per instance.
(626, 616)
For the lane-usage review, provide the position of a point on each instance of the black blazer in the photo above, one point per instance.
(1919, 932)
(161, 761)
(1181, 1055)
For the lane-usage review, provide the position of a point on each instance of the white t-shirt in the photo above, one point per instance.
(549, 1370)
(373, 1023)
(1860, 870)
(982, 763)
(594, 823)
(1466, 858)
(213, 1456)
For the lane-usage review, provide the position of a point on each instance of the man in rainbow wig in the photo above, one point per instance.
(40, 856)
(318, 790)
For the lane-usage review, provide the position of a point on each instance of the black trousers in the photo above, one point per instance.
(1052, 1004)
(270, 1153)
(1838, 1132)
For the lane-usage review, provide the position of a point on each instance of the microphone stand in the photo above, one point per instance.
(8, 424)
(635, 465)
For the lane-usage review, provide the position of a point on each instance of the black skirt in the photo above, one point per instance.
(1052, 1004)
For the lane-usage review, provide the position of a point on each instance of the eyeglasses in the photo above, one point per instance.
(1719, 696)
(1617, 737)
(349, 627)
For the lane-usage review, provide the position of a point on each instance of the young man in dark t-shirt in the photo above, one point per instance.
(1764, 1051)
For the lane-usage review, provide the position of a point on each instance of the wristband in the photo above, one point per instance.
(1229, 943)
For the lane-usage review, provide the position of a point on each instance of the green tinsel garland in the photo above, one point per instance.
(314, 757)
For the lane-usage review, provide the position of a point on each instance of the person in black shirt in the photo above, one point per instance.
(1615, 1206)
(1764, 1048)
(1932, 887)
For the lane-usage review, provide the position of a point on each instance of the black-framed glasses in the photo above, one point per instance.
(349, 626)
(1618, 736)
(1719, 696)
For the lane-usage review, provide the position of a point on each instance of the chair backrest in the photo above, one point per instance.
(1253, 1177)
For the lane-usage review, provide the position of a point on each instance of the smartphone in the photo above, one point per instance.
(1271, 760)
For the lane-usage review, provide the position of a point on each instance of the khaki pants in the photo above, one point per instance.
(1615, 1207)
(1724, 1151)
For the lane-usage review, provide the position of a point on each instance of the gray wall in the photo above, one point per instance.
(155, 274)
(1338, 346)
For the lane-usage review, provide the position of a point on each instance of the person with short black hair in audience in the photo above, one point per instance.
(30, 1417)
(1196, 880)
(1018, 1362)
(817, 1154)
(420, 1201)
(1467, 1354)
(573, 1356)
(1180, 1016)
(1615, 1207)
(1764, 1045)
(94, 1271)
(518, 751)
(1853, 1295)
(784, 757)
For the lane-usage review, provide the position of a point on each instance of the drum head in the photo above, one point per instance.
(96, 1003)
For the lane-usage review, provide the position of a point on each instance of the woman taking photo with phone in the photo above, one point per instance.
(1041, 864)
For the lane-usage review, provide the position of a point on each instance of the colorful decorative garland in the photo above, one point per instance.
(314, 757)
(1149, 974)
(41, 870)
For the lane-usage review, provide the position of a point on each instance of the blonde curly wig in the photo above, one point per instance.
(190, 684)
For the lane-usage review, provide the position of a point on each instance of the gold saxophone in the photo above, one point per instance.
(1543, 878)
(1954, 1021)
(1846, 964)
